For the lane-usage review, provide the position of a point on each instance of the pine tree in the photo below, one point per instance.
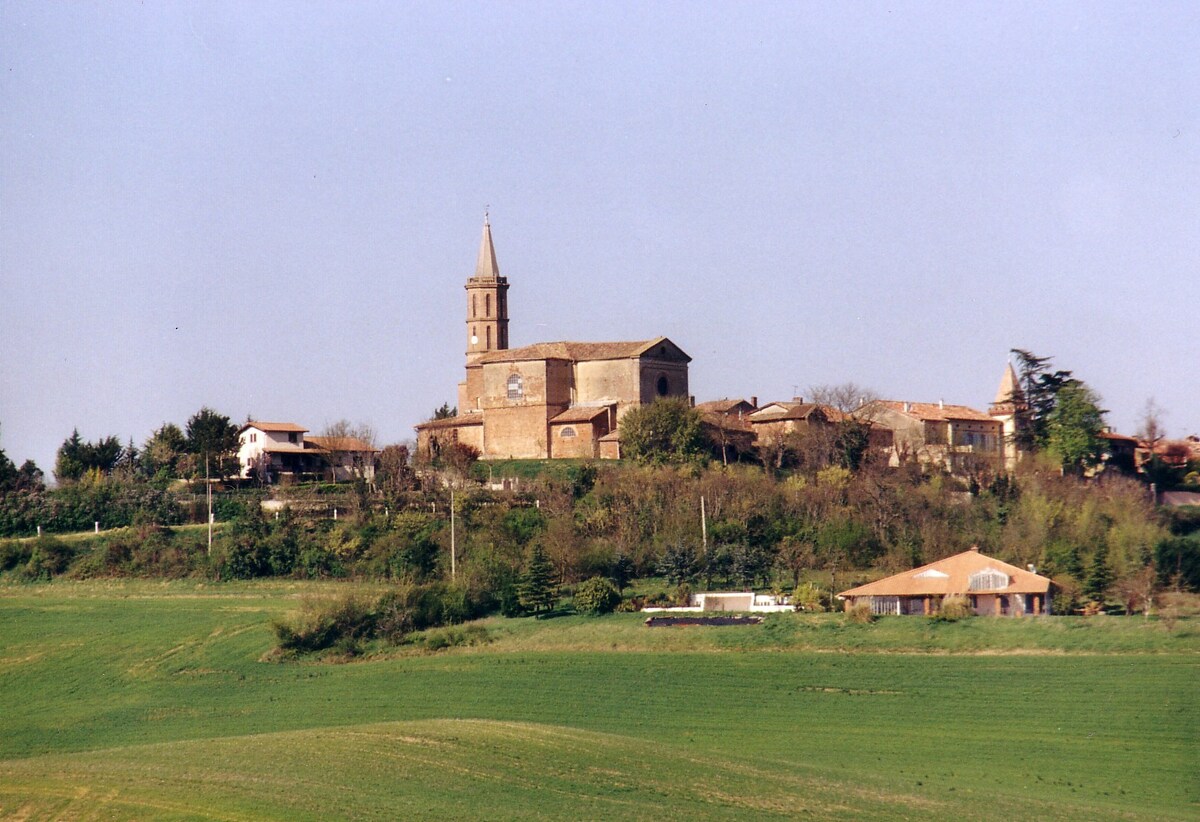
(537, 590)
(1100, 575)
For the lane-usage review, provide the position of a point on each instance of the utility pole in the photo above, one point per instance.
(208, 489)
(703, 529)
(452, 535)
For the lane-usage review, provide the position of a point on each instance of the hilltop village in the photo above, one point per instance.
(566, 399)
(549, 469)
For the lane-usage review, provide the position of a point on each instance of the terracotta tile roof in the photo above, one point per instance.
(778, 411)
(937, 412)
(1113, 435)
(950, 576)
(283, 447)
(580, 413)
(287, 427)
(452, 422)
(723, 406)
(340, 444)
(611, 436)
(576, 351)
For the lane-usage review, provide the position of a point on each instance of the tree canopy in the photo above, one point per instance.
(210, 436)
(76, 457)
(666, 431)
(1074, 426)
(1061, 415)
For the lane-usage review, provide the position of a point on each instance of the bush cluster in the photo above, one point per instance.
(346, 623)
(596, 596)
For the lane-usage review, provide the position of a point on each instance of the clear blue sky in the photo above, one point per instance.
(271, 208)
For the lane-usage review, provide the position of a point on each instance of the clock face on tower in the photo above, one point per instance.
(474, 340)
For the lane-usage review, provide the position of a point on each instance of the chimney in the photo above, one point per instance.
(692, 401)
(797, 399)
(908, 408)
(975, 548)
(754, 401)
(941, 404)
(1031, 568)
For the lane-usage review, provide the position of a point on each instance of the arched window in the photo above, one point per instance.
(663, 386)
(473, 312)
(487, 305)
(989, 579)
(567, 432)
(516, 387)
(489, 338)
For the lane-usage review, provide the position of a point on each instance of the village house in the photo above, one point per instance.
(546, 400)
(780, 425)
(951, 436)
(277, 450)
(726, 424)
(991, 587)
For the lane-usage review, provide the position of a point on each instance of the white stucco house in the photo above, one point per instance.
(273, 447)
(278, 449)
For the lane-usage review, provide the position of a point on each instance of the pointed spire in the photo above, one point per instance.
(1010, 388)
(486, 267)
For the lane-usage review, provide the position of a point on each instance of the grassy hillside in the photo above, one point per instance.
(151, 700)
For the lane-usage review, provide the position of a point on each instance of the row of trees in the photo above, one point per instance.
(207, 443)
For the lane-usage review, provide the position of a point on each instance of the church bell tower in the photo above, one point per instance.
(487, 302)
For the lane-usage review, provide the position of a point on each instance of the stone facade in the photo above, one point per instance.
(953, 436)
(546, 400)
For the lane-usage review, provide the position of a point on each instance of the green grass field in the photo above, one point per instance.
(152, 700)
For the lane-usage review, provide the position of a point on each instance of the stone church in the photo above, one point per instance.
(546, 400)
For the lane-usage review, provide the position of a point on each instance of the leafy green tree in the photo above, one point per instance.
(666, 431)
(1073, 428)
(596, 596)
(211, 437)
(445, 412)
(30, 477)
(161, 453)
(537, 589)
(852, 441)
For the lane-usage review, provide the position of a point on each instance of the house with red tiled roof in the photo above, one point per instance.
(546, 400)
(274, 448)
(991, 587)
(271, 450)
(939, 433)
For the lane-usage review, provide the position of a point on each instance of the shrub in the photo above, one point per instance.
(596, 596)
(48, 558)
(344, 622)
(456, 636)
(954, 609)
(807, 597)
(860, 614)
(13, 553)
